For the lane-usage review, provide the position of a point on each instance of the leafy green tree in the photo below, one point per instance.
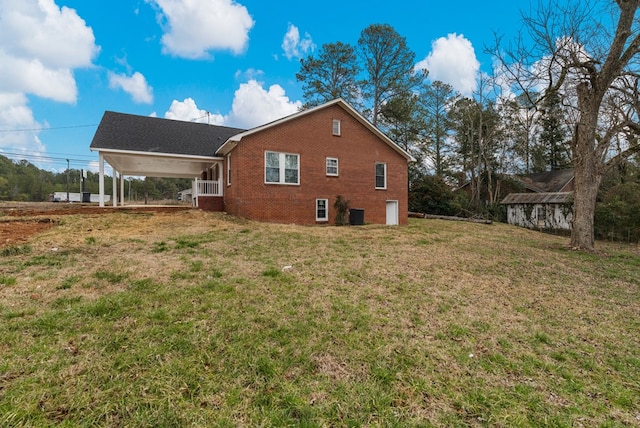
(432, 195)
(616, 215)
(388, 65)
(555, 150)
(332, 74)
(436, 99)
(403, 122)
(4, 187)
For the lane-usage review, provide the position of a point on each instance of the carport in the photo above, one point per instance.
(152, 147)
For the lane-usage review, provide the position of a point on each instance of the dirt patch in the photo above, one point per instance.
(15, 230)
(22, 209)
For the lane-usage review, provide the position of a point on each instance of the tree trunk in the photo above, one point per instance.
(586, 186)
(587, 175)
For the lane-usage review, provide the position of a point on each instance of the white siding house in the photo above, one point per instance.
(543, 211)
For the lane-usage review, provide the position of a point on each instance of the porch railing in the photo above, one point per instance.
(205, 188)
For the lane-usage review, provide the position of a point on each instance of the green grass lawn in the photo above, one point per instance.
(199, 319)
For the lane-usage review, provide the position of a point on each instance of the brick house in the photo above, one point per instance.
(287, 171)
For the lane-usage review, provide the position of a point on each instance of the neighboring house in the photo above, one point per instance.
(185, 195)
(546, 203)
(287, 171)
(550, 181)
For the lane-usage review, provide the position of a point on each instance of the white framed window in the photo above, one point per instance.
(332, 166)
(381, 175)
(336, 127)
(281, 168)
(229, 169)
(322, 210)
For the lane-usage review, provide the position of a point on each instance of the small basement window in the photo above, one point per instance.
(322, 210)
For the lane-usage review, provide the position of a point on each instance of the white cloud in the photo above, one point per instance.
(249, 74)
(293, 46)
(40, 46)
(31, 76)
(253, 105)
(187, 110)
(453, 60)
(94, 166)
(15, 114)
(58, 37)
(14, 110)
(135, 85)
(195, 27)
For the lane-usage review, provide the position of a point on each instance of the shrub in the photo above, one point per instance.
(616, 215)
(431, 194)
(341, 205)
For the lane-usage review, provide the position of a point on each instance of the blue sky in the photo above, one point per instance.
(64, 62)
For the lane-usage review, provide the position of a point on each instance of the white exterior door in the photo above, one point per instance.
(392, 213)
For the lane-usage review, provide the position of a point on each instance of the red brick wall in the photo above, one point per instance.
(211, 203)
(357, 150)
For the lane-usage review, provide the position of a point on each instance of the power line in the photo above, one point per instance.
(44, 159)
(40, 156)
(37, 153)
(40, 159)
(46, 129)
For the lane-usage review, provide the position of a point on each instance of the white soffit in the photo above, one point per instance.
(158, 165)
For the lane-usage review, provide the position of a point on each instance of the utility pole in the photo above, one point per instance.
(68, 181)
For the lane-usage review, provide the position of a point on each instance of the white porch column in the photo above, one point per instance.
(195, 192)
(115, 188)
(121, 190)
(101, 178)
(220, 186)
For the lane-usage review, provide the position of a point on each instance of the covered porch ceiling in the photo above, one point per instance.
(157, 164)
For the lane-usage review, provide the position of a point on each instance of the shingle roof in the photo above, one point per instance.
(538, 198)
(549, 181)
(119, 131)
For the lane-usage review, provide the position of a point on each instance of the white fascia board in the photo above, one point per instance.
(227, 146)
(156, 154)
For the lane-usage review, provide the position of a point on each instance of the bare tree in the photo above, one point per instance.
(590, 50)
(477, 128)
